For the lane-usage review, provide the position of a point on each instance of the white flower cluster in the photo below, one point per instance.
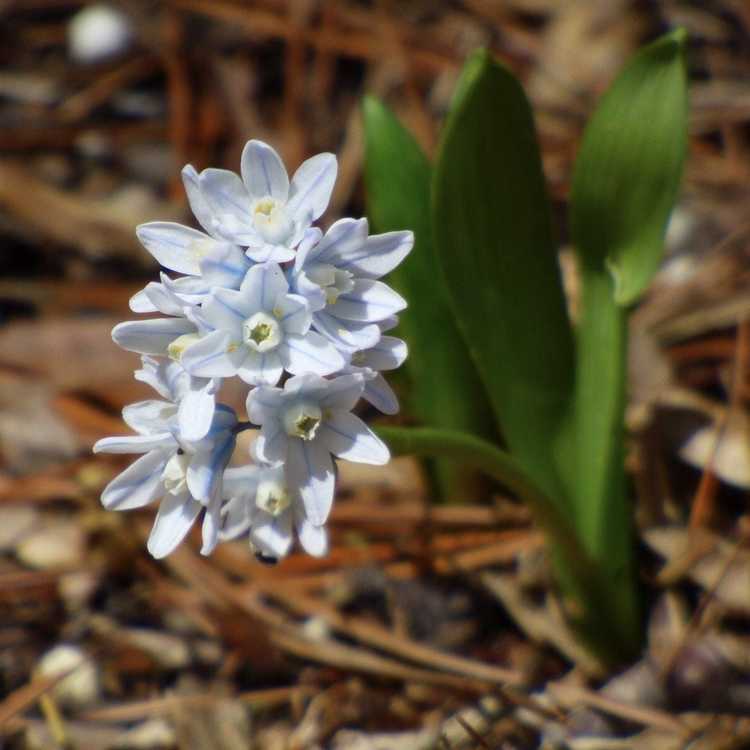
(298, 315)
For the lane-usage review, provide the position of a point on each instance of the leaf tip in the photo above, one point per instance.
(678, 36)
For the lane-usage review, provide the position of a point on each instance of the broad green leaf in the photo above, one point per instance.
(446, 390)
(629, 166)
(493, 238)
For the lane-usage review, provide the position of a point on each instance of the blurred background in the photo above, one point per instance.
(408, 633)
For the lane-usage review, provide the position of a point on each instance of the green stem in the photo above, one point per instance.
(601, 510)
(594, 601)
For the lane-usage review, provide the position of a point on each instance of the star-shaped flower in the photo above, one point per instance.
(258, 332)
(303, 424)
(263, 210)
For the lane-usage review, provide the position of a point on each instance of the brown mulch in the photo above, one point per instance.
(427, 626)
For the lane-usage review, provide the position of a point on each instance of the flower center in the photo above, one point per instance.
(271, 221)
(359, 358)
(272, 496)
(302, 420)
(262, 332)
(333, 281)
(264, 206)
(174, 475)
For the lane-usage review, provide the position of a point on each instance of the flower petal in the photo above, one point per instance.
(263, 404)
(235, 520)
(198, 205)
(263, 171)
(227, 198)
(271, 445)
(272, 535)
(268, 253)
(348, 437)
(140, 303)
(241, 481)
(306, 250)
(139, 485)
(163, 299)
(154, 373)
(293, 313)
(174, 246)
(150, 336)
(148, 417)
(310, 353)
(225, 265)
(261, 369)
(311, 188)
(309, 470)
(346, 335)
(314, 539)
(368, 302)
(211, 527)
(209, 356)
(343, 392)
(388, 354)
(226, 309)
(195, 414)
(378, 255)
(380, 394)
(135, 443)
(204, 473)
(264, 284)
(344, 238)
(176, 516)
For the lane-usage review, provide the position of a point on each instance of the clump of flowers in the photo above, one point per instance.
(298, 315)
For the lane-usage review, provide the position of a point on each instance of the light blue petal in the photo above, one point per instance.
(139, 485)
(150, 336)
(348, 437)
(369, 302)
(309, 471)
(311, 188)
(176, 516)
(263, 171)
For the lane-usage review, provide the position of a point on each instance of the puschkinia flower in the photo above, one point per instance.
(193, 396)
(338, 274)
(206, 263)
(300, 316)
(303, 425)
(258, 332)
(186, 475)
(264, 211)
(261, 506)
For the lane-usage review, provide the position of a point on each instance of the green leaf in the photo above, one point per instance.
(624, 186)
(629, 166)
(493, 237)
(446, 390)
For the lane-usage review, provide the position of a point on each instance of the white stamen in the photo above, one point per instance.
(271, 221)
(272, 496)
(333, 281)
(262, 332)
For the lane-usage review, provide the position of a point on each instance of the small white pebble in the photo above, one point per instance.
(81, 687)
(316, 629)
(97, 33)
